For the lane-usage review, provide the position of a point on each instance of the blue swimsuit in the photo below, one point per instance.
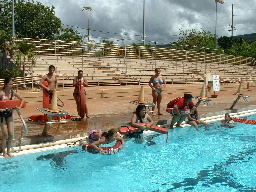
(156, 81)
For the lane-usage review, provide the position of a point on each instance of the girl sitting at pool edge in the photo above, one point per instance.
(193, 118)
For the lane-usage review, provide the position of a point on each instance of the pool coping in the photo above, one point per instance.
(34, 148)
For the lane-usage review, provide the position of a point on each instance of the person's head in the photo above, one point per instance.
(51, 69)
(157, 71)
(227, 116)
(188, 98)
(80, 73)
(112, 133)
(141, 111)
(8, 83)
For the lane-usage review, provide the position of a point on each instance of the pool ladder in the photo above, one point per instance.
(25, 130)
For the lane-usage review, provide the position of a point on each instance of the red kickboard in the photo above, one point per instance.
(130, 129)
(46, 96)
(10, 104)
(43, 118)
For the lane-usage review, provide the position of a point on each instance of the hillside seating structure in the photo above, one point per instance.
(129, 64)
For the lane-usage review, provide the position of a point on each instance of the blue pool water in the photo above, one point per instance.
(212, 159)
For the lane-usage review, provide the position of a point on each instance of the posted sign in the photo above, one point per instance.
(216, 82)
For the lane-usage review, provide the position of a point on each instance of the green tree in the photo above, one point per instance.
(228, 42)
(25, 56)
(247, 49)
(196, 40)
(69, 34)
(32, 19)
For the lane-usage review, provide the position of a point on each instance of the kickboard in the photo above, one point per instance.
(46, 96)
(11, 104)
(130, 129)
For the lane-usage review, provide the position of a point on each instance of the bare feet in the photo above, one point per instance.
(160, 113)
(5, 155)
(88, 116)
(10, 155)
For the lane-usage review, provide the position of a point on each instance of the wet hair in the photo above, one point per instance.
(80, 71)
(138, 110)
(51, 67)
(108, 134)
(227, 114)
(6, 81)
(188, 96)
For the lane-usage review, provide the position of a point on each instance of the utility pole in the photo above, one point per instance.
(232, 22)
(88, 9)
(216, 19)
(13, 23)
(232, 25)
(144, 35)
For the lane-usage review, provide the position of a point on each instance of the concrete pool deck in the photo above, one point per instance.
(109, 107)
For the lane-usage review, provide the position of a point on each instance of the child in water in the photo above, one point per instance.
(193, 118)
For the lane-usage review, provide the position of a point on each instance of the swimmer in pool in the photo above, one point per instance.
(228, 122)
(99, 138)
(193, 118)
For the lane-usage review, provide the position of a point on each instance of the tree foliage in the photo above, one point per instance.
(24, 56)
(195, 40)
(69, 34)
(228, 42)
(32, 19)
(246, 48)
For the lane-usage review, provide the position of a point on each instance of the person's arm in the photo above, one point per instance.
(164, 85)
(56, 82)
(85, 82)
(20, 98)
(176, 110)
(41, 83)
(75, 82)
(119, 138)
(95, 145)
(190, 118)
(135, 124)
(1, 97)
(150, 120)
(150, 83)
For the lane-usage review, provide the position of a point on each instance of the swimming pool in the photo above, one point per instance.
(212, 159)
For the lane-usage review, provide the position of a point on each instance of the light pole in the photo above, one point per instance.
(88, 26)
(216, 3)
(13, 25)
(144, 33)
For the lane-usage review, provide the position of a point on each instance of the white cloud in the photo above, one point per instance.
(163, 20)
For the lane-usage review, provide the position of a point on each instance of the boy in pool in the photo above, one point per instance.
(228, 122)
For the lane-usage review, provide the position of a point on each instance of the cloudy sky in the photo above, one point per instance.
(117, 19)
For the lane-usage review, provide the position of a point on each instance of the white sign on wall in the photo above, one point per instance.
(216, 82)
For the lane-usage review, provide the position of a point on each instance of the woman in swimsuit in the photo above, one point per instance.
(140, 116)
(105, 138)
(7, 122)
(157, 84)
(76, 82)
